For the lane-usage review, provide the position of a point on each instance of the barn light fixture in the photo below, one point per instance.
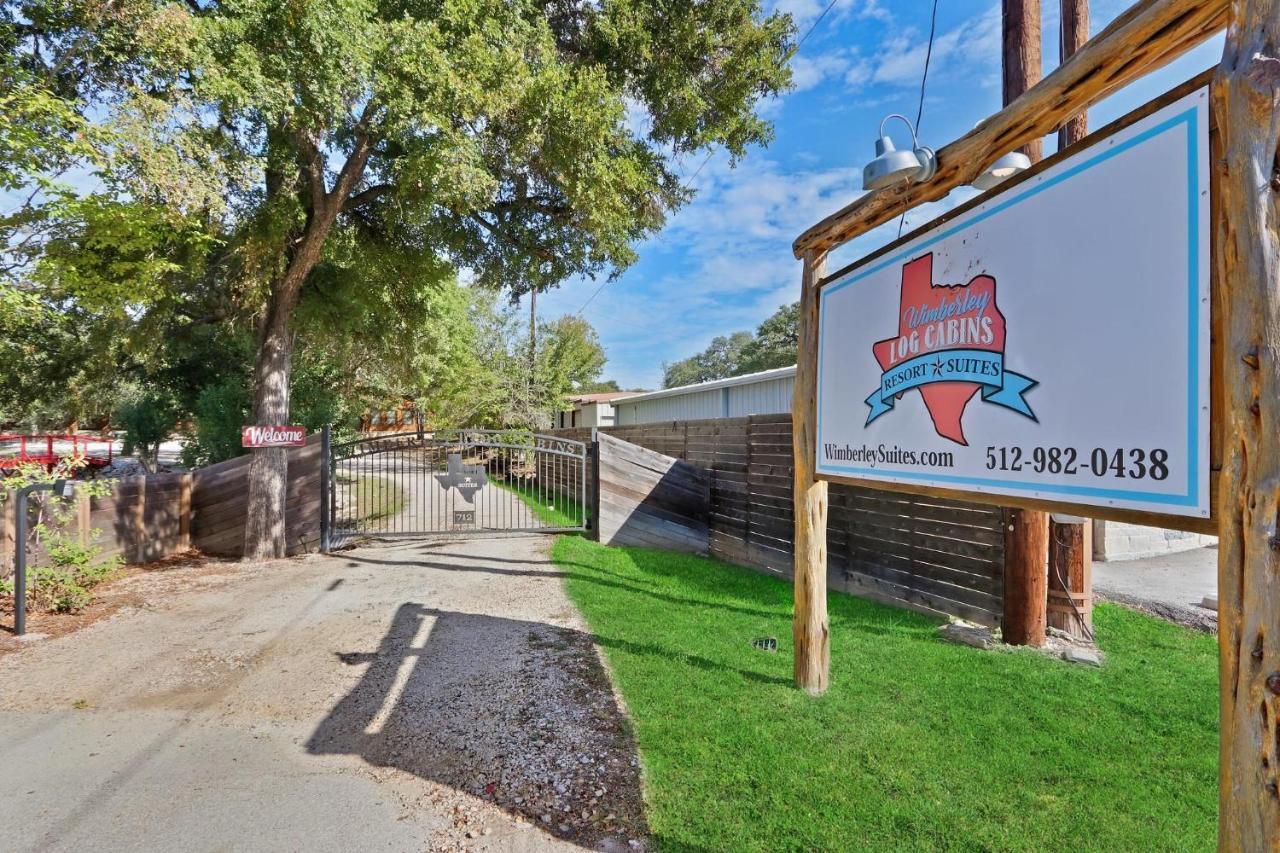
(1003, 169)
(892, 165)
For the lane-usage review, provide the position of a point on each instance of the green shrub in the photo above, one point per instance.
(147, 421)
(64, 586)
(74, 568)
(220, 410)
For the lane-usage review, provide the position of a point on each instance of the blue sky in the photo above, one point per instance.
(724, 262)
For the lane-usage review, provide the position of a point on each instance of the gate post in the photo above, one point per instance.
(325, 472)
(593, 486)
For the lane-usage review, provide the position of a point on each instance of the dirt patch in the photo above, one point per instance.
(416, 696)
(1197, 618)
(134, 587)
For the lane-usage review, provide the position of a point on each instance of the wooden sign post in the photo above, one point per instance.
(1247, 98)
(811, 632)
(1026, 531)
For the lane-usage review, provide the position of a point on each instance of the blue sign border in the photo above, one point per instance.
(1186, 119)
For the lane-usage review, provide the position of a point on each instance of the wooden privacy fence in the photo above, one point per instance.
(648, 498)
(939, 556)
(143, 519)
(152, 517)
(219, 503)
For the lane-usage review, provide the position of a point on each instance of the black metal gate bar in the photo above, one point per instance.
(457, 481)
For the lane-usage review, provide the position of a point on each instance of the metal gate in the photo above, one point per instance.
(457, 481)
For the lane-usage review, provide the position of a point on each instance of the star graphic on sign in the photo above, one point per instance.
(937, 367)
(467, 479)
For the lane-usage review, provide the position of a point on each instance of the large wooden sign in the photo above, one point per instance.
(1048, 346)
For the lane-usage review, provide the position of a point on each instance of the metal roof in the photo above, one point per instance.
(744, 379)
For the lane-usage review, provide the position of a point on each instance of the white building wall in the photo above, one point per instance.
(693, 406)
(736, 397)
(761, 398)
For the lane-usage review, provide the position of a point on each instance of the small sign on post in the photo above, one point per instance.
(254, 435)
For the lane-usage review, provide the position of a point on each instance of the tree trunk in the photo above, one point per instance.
(264, 532)
(1247, 100)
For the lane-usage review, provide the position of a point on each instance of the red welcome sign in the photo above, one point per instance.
(272, 436)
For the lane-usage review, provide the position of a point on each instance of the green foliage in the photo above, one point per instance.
(491, 135)
(773, 345)
(220, 410)
(569, 355)
(776, 342)
(721, 358)
(65, 585)
(599, 387)
(148, 420)
(918, 745)
(70, 569)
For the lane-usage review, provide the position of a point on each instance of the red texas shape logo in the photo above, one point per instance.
(949, 346)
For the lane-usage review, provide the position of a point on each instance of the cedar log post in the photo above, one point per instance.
(1070, 606)
(1247, 101)
(1070, 549)
(1026, 531)
(810, 631)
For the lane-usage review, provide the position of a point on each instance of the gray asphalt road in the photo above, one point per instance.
(418, 697)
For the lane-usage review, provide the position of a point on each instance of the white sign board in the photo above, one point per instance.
(1051, 343)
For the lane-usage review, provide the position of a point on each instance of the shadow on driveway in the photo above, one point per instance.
(519, 713)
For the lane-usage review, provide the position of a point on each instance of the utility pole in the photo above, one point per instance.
(1026, 532)
(1074, 18)
(1070, 606)
(533, 333)
(1021, 61)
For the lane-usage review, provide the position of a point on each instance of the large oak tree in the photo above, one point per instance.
(525, 142)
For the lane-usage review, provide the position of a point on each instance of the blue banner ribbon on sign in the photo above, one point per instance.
(986, 368)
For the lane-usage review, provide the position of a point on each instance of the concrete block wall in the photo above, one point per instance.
(1113, 540)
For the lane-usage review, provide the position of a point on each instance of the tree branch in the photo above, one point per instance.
(366, 196)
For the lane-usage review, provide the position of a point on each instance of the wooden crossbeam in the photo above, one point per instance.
(1147, 36)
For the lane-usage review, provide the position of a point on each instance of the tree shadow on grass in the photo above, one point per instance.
(515, 712)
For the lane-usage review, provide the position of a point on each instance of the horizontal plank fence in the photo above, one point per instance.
(219, 505)
(938, 556)
(648, 498)
(151, 517)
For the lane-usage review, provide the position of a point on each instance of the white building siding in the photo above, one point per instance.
(761, 398)
(764, 393)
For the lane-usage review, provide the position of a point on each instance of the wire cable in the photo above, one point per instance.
(790, 55)
(928, 55)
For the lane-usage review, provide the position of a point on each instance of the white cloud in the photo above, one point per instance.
(973, 46)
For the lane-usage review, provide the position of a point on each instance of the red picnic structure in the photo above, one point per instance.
(46, 449)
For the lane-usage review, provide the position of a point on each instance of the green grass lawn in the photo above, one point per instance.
(919, 744)
(375, 498)
(553, 510)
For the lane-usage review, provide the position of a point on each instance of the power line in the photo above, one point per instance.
(928, 54)
(790, 56)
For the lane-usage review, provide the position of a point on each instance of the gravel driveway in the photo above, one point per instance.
(421, 696)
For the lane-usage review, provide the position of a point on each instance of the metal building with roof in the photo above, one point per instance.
(763, 393)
